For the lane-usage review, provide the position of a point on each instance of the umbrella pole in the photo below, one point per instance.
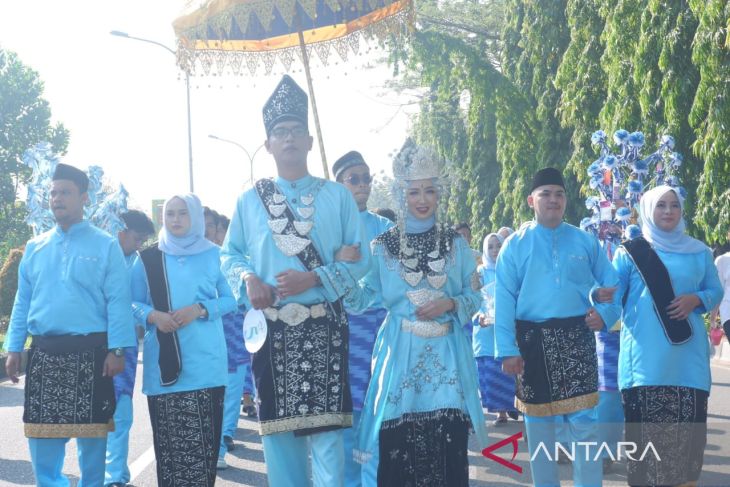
(305, 60)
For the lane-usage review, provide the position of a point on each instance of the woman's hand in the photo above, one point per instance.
(682, 306)
(484, 321)
(163, 321)
(348, 253)
(434, 309)
(186, 315)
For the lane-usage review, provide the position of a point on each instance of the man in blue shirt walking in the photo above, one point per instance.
(74, 299)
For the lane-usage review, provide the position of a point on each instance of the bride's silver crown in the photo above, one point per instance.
(415, 162)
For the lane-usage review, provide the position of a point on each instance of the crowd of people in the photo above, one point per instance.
(366, 376)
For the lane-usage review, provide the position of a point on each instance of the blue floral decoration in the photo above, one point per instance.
(620, 136)
(632, 232)
(623, 214)
(635, 187)
(636, 139)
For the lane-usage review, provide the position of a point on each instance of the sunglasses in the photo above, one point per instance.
(355, 179)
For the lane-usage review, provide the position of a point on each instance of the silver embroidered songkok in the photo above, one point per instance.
(287, 102)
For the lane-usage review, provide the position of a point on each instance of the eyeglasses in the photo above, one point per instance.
(283, 132)
(355, 179)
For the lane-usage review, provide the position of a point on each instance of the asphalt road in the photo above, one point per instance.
(247, 467)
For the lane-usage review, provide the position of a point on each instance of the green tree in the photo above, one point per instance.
(582, 82)
(25, 120)
(8, 286)
(620, 35)
(710, 115)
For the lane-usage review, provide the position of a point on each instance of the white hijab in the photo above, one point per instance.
(676, 240)
(194, 242)
(486, 261)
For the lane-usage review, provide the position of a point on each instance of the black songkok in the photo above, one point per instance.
(287, 102)
(70, 173)
(548, 175)
(351, 159)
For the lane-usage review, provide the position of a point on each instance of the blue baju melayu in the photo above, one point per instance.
(497, 389)
(117, 441)
(73, 297)
(239, 368)
(544, 281)
(301, 372)
(424, 376)
(363, 330)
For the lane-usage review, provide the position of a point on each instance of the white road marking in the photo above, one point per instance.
(141, 463)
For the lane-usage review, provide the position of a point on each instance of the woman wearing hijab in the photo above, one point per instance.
(422, 400)
(497, 388)
(180, 293)
(667, 281)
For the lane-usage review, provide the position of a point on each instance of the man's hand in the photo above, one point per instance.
(434, 309)
(259, 293)
(594, 320)
(348, 253)
(682, 306)
(604, 294)
(186, 315)
(113, 365)
(291, 282)
(513, 365)
(163, 321)
(12, 366)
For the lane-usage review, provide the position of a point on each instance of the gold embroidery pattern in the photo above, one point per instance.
(563, 406)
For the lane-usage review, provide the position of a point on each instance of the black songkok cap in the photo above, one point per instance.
(351, 159)
(548, 175)
(70, 173)
(287, 102)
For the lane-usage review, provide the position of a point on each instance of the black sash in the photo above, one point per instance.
(170, 359)
(333, 415)
(657, 280)
(309, 257)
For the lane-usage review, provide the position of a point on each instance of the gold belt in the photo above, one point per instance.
(426, 329)
(294, 314)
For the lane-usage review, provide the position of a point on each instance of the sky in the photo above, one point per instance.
(124, 101)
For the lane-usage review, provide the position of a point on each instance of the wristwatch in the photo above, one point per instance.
(118, 352)
(203, 311)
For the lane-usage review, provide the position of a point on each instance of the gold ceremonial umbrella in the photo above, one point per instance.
(241, 35)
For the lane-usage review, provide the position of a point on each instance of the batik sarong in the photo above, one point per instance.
(301, 372)
(186, 431)
(561, 369)
(674, 420)
(496, 388)
(66, 394)
(425, 450)
(363, 330)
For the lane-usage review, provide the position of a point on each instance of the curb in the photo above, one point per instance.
(720, 353)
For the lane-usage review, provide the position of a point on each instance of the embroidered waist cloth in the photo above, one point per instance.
(561, 369)
(301, 374)
(186, 430)
(425, 449)
(66, 395)
(672, 420)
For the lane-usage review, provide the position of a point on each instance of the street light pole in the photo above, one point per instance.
(187, 89)
(248, 155)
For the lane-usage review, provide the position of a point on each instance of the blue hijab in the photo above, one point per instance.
(194, 242)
